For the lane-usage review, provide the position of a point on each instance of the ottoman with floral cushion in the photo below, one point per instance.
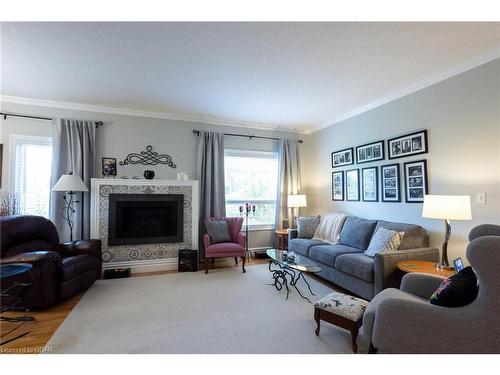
(342, 310)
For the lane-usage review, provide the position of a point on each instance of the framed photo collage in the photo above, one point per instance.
(356, 184)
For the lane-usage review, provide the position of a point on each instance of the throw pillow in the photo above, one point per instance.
(218, 231)
(457, 290)
(357, 232)
(306, 226)
(384, 240)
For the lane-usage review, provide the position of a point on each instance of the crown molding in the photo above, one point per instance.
(139, 113)
(410, 89)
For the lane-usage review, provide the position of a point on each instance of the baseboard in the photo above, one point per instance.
(158, 265)
(140, 266)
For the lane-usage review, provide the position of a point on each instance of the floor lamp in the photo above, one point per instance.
(70, 184)
(447, 207)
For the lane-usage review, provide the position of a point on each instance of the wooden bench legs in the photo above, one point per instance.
(339, 321)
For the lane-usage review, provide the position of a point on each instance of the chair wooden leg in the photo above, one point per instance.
(317, 319)
(206, 266)
(243, 263)
(236, 260)
(354, 335)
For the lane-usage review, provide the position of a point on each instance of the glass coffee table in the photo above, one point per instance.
(288, 272)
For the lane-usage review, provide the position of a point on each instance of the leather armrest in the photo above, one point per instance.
(71, 248)
(34, 258)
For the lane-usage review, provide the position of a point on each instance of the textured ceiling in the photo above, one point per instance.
(292, 75)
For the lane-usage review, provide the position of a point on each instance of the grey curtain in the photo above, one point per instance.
(210, 168)
(289, 180)
(73, 150)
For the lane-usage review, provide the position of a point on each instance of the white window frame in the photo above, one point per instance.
(19, 139)
(254, 154)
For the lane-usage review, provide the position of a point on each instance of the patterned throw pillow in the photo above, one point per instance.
(457, 290)
(218, 231)
(306, 226)
(384, 240)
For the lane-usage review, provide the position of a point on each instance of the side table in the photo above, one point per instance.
(282, 238)
(424, 267)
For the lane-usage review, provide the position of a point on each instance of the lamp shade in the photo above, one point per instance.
(70, 182)
(450, 207)
(297, 201)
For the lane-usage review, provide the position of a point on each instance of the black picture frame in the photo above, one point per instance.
(339, 155)
(108, 166)
(390, 188)
(370, 152)
(336, 187)
(416, 183)
(411, 144)
(369, 185)
(349, 187)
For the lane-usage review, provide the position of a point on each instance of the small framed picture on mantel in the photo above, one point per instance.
(408, 145)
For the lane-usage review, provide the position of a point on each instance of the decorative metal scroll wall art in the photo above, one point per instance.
(148, 157)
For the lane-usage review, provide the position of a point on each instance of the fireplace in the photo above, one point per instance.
(145, 218)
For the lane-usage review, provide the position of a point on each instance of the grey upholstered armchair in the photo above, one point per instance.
(403, 321)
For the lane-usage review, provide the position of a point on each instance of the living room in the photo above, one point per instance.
(250, 187)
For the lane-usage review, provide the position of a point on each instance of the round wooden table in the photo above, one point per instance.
(282, 236)
(424, 267)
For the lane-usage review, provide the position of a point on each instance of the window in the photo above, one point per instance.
(31, 166)
(252, 176)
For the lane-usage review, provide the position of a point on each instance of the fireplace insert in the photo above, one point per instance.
(145, 218)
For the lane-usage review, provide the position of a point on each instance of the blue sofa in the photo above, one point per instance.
(345, 263)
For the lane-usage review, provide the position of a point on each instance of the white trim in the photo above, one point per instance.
(410, 89)
(139, 113)
(138, 266)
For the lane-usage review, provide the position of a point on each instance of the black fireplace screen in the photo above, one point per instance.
(145, 218)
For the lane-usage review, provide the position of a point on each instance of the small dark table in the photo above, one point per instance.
(12, 276)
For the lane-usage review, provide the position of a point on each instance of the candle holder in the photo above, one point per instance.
(247, 211)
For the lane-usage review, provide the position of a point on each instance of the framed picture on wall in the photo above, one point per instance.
(352, 185)
(369, 179)
(109, 166)
(409, 144)
(342, 157)
(338, 186)
(370, 152)
(415, 181)
(389, 186)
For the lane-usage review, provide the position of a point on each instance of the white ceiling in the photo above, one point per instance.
(298, 76)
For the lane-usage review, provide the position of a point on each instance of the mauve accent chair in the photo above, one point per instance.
(403, 321)
(235, 248)
(59, 270)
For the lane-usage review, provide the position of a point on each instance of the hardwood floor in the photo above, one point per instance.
(47, 321)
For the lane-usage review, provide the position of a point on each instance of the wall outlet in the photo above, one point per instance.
(481, 198)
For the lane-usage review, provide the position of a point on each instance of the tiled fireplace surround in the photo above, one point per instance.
(144, 257)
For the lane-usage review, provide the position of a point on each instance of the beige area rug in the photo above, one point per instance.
(225, 311)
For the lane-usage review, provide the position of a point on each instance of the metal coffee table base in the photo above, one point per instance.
(280, 279)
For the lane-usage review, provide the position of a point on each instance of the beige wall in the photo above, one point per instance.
(121, 135)
(462, 117)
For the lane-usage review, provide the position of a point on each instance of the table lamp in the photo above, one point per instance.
(447, 207)
(71, 184)
(297, 201)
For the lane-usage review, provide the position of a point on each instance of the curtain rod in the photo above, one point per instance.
(197, 132)
(97, 123)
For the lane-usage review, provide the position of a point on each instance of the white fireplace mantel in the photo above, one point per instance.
(146, 257)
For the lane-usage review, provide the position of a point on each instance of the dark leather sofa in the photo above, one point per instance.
(59, 270)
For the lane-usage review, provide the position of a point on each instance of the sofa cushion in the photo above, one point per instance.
(358, 265)
(78, 264)
(218, 231)
(326, 254)
(414, 234)
(357, 232)
(306, 226)
(302, 245)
